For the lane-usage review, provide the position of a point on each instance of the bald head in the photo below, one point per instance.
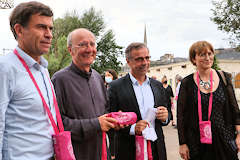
(80, 32)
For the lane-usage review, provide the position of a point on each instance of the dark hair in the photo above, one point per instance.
(164, 78)
(197, 48)
(113, 73)
(132, 46)
(23, 12)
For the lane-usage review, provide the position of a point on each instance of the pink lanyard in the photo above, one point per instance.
(210, 99)
(59, 119)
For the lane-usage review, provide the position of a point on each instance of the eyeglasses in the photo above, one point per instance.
(84, 45)
(141, 59)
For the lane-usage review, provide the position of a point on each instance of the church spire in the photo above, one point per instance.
(145, 35)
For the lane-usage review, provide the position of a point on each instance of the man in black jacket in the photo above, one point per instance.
(138, 93)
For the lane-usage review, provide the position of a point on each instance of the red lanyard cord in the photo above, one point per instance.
(59, 120)
(210, 99)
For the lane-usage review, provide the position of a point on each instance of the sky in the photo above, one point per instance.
(172, 26)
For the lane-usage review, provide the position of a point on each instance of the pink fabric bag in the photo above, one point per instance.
(205, 132)
(124, 118)
(104, 147)
(63, 146)
(139, 140)
(205, 126)
(62, 139)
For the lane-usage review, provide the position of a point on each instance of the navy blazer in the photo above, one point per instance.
(122, 97)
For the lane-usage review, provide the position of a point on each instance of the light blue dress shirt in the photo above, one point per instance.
(25, 128)
(144, 96)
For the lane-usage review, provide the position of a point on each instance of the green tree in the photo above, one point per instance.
(226, 15)
(215, 64)
(108, 50)
(108, 53)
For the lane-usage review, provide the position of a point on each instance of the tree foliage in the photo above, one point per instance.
(226, 15)
(108, 50)
(215, 64)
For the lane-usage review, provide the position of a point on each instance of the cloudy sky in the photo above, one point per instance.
(172, 25)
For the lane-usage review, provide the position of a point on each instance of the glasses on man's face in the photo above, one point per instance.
(85, 45)
(141, 59)
(204, 55)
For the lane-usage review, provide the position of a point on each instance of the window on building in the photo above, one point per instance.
(184, 66)
(237, 81)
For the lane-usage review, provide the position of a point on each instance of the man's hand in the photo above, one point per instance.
(120, 126)
(162, 113)
(140, 126)
(106, 123)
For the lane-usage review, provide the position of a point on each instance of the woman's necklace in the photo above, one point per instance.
(205, 85)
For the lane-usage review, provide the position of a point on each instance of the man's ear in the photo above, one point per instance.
(127, 60)
(18, 29)
(70, 49)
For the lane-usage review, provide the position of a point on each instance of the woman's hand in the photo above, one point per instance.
(238, 142)
(184, 152)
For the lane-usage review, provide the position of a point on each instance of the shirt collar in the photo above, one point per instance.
(86, 75)
(135, 82)
(30, 61)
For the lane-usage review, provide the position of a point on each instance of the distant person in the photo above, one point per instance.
(138, 93)
(25, 129)
(170, 97)
(110, 75)
(208, 117)
(82, 97)
(179, 79)
(154, 77)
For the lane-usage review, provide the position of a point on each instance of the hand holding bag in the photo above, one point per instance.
(124, 118)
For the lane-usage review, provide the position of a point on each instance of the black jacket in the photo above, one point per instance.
(122, 97)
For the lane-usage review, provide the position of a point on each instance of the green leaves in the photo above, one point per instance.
(227, 16)
(108, 50)
(215, 64)
(108, 53)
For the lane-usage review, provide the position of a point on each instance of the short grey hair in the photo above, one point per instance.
(69, 39)
(179, 78)
(132, 46)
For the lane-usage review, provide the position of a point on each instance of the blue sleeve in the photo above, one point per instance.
(4, 101)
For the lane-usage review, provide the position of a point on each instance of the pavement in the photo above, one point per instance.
(171, 141)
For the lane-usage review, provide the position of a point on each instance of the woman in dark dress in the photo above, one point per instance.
(207, 96)
(170, 96)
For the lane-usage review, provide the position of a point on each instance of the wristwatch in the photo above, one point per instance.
(237, 132)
